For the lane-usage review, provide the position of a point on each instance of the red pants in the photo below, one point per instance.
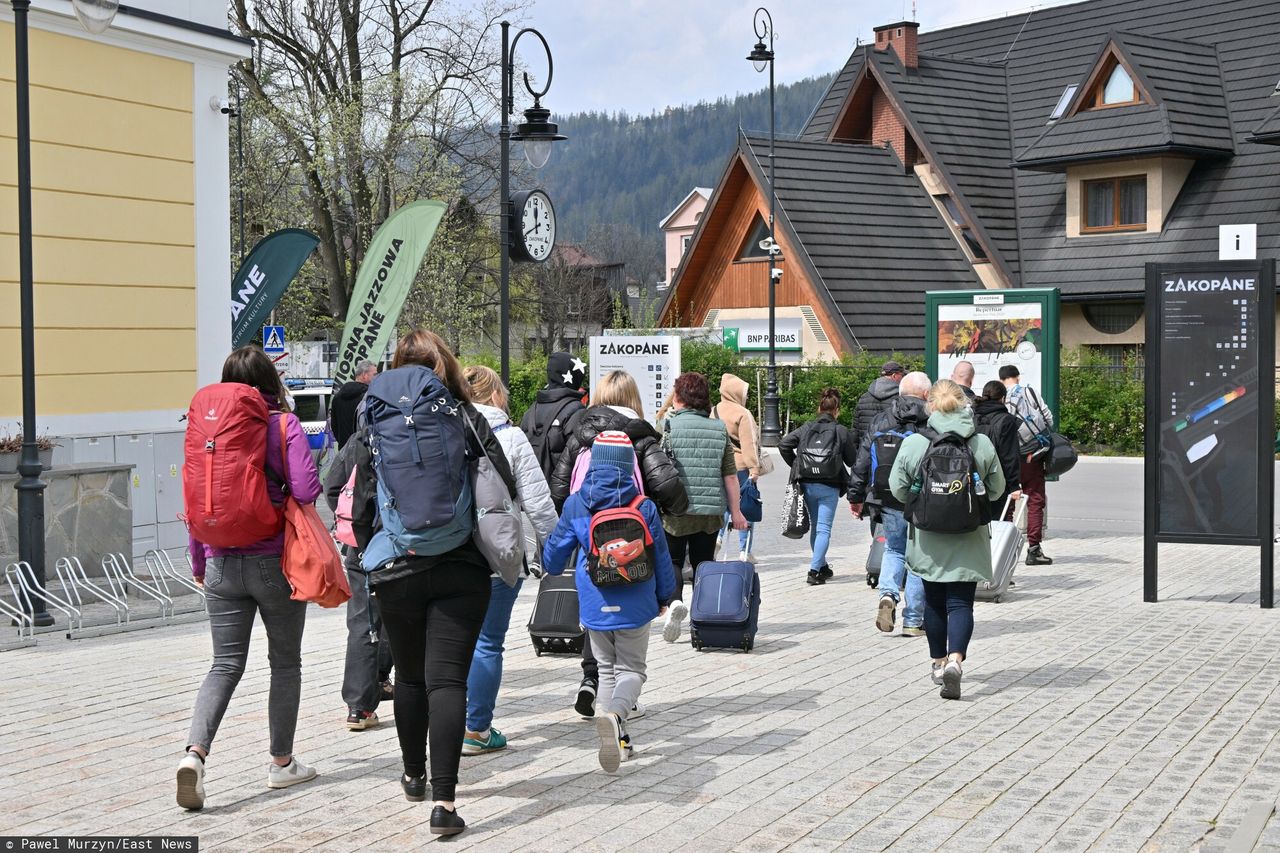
(1032, 474)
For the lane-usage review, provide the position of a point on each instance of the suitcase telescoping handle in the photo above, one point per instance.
(1021, 510)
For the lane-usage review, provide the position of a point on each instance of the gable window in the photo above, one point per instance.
(1114, 88)
(750, 249)
(1115, 204)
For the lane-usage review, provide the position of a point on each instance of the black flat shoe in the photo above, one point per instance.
(445, 822)
(415, 788)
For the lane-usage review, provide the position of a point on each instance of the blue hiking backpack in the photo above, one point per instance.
(420, 455)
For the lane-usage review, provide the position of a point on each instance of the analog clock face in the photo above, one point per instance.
(538, 226)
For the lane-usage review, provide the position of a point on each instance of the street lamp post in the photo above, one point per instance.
(537, 132)
(761, 56)
(30, 487)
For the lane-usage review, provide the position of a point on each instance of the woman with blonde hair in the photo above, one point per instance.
(489, 396)
(950, 564)
(433, 605)
(616, 405)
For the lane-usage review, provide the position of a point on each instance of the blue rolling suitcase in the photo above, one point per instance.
(726, 606)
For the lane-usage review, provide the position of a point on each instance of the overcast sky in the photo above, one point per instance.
(644, 55)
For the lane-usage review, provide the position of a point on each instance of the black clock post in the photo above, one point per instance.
(537, 132)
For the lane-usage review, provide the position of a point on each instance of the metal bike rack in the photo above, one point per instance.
(24, 621)
(117, 565)
(75, 582)
(26, 590)
(164, 571)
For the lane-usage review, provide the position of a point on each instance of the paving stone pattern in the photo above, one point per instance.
(1090, 721)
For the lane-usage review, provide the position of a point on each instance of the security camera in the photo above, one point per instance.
(775, 273)
(221, 105)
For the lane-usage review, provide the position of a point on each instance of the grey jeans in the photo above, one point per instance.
(621, 657)
(236, 588)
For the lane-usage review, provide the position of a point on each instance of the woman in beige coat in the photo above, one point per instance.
(744, 436)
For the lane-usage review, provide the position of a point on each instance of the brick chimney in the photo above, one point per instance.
(902, 38)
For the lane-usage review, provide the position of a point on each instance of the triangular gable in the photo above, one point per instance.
(1181, 108)
(704, 192)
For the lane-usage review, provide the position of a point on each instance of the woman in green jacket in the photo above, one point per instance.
(950, 564)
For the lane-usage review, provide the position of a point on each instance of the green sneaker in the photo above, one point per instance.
(478, 743)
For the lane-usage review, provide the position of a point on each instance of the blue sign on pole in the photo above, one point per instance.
(273, 340)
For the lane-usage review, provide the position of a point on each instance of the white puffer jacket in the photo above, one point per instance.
(531, 484)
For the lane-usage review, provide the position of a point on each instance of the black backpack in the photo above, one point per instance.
(885, 445)
(546, 432)
(944, 496)
(821, 456)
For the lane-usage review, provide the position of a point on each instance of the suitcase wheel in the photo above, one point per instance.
(873, 581)
(747, 644)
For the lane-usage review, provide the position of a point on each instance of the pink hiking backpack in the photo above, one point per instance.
(343, 531)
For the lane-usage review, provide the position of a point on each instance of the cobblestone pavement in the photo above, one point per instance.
(1090, 721)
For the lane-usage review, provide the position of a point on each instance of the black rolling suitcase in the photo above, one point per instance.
(553, 626)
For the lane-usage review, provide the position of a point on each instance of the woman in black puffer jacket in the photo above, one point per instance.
(616, 405)
(993, 420)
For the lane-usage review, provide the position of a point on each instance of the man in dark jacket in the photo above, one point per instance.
(342, 409)
(877, 398)
(547, 419)
(906, 414)
(993, 420)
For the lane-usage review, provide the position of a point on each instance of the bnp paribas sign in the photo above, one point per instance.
(753, 335)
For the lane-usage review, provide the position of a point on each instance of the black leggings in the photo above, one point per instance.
(701, 548)
(948, 617)
(433, 619)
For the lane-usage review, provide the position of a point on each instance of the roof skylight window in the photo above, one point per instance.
(1067, 94)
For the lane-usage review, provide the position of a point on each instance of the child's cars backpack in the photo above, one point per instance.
(419, 446)
(621, 546)
(820, 454)
(224, 479)
(944, 495)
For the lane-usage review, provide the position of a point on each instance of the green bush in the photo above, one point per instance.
(1102, 406)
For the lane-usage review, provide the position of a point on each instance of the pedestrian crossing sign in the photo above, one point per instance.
(273, 340)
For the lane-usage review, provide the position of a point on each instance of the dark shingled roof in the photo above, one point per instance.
(824, 115)
(949, 102)
(871, 234)
(1267, 133)
(1046, 50)
(1188, 112)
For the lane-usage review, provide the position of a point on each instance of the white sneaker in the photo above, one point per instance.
(937, 672)
(951, 675)
(293, 773)
(191, 782)
(744, 557)
(611, 750)
(637, 711)
(675, 615)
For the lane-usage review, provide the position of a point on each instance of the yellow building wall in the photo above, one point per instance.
(113, 212)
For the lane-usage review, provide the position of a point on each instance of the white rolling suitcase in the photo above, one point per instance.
(1006, 552)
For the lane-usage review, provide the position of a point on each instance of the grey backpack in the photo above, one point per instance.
(498, 533)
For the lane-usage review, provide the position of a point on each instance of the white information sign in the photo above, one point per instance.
(652, 360)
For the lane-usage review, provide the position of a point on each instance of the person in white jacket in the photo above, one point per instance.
(490, 397)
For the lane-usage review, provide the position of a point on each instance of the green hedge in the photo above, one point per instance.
(1101, 404)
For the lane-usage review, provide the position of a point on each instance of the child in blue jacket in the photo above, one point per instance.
(617, 617)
